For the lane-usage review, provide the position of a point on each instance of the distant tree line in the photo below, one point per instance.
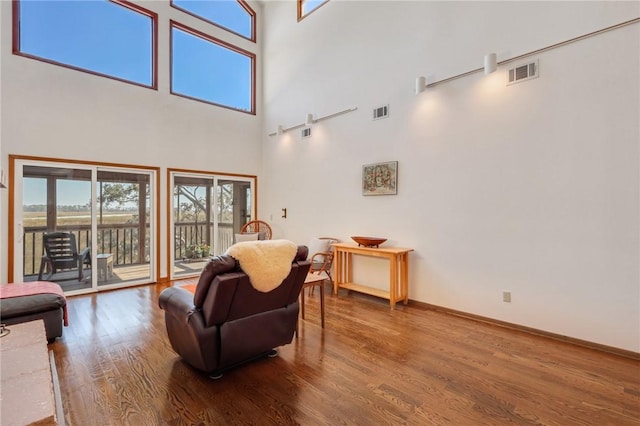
(74, 208)
(114, 197)
(43, 208)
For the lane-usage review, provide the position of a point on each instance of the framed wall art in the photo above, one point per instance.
(380, 178)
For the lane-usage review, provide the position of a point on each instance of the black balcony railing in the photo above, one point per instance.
(188, 234)
(123, 241)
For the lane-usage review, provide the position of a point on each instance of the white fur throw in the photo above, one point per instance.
(267, 263)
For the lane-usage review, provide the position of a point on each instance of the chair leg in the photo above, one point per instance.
(41, 270)
(45, 263)
(322, 303)
(330, 280)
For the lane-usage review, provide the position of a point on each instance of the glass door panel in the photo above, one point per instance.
(233, 199)
(57, 226)
(192, 224)
(124, 231)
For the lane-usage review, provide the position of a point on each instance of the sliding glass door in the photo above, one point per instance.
(207, 211)
(84, 227)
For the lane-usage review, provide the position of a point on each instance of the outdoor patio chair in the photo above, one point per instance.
(61, 254)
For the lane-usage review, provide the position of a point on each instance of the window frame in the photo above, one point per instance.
(124, 3)
(242, 3)
(252, 56)
(302, 15)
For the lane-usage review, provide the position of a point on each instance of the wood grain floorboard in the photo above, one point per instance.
(369, 366)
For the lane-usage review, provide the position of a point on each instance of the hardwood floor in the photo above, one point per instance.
(369, 366)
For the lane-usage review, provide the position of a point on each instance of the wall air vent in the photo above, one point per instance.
(523, 73)
(306, 132)
(381, 112)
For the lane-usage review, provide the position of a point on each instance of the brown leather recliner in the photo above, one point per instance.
(228, 322)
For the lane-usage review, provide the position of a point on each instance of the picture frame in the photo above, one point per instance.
(380, 178)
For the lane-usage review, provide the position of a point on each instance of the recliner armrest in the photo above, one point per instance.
(177, 302)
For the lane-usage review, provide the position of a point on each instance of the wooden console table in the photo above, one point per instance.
(398, 271)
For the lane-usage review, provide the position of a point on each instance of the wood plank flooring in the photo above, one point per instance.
(369, 366)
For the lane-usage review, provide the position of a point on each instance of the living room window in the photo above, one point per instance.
(210, 70)
(305, 7)
(232, 15)
(111, 38)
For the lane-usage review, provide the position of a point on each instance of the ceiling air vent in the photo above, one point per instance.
(306, 132)
(381, 112)
(523, 73)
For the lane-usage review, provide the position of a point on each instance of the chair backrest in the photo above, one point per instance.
(321, 255)
(224, 292)
(258, 226)
(60, 246)
(321, 246)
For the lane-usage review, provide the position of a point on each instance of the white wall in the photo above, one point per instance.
(52, 111)
(2, 210)
(531, 188)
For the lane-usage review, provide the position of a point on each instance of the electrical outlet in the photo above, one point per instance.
(506, 296)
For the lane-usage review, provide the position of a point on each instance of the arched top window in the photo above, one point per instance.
(232, 15)
(305, 7)
(116, 38)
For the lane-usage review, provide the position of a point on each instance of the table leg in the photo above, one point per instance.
(337, 277)
(101, 269)
(393, 280)
(405, 277)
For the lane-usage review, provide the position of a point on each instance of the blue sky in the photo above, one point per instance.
(310, 5)
(225, 12)
(80, 33)
(70, 192)
(107, 38)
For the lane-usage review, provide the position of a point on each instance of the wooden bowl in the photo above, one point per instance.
(369, 241)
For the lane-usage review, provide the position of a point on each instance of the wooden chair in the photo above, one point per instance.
(61, 253)
(257, 226)
(311, 282)
(321, 257)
